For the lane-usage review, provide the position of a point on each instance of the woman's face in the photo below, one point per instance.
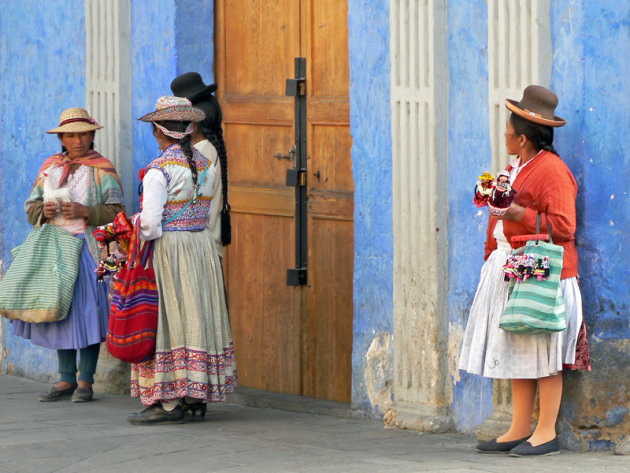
(77, 144)
(512, 140)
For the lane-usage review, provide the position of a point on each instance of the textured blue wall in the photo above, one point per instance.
(168, 37)
(370, 124)
(153, 66)
(590, 73)
(42, 72)
(469, 155)
(195, 38)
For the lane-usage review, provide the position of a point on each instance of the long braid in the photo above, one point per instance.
(215, 136)
(187, 149)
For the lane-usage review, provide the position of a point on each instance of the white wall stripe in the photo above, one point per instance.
(519, 54)
(416, 169)
(108, 88)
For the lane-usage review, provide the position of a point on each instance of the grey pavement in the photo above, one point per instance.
(95, 437)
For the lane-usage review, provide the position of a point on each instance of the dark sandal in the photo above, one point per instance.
(195, 412)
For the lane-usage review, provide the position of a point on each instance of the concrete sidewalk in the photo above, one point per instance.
(95, 437)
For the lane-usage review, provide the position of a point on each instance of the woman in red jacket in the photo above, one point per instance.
(543, 184)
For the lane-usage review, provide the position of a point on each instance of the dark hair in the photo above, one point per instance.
(541, 136)
(173, 125)
(211, 128)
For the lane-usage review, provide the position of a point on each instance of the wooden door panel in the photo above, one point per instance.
(330, 164)
(328, 328)
(327, 304)
(263, 38)
(288, 339)
(267, 329)
(252, 151)
(328, 46)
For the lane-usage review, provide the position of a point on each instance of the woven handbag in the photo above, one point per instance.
(39, 285)
(537, 306)
(133, 314)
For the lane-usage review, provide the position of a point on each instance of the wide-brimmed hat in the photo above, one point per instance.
(538, 105)
(191, 86)
(177, 109)
(75, 120)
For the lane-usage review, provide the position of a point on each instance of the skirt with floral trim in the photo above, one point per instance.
(194, 354)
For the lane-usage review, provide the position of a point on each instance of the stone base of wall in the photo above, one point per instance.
(413, 418)
(112, 375)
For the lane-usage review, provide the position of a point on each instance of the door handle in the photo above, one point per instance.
(288, 157)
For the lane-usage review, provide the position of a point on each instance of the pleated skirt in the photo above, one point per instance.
(490, 351)
(194, 350)
(87, 319)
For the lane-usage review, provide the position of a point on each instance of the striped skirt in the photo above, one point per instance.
(194, 350)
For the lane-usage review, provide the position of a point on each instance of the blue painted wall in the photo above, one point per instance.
(590, 75)
(33, 93)
(168, 37)
(469, 154)
(370, 125)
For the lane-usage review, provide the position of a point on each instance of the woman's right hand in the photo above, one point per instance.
(51, 209)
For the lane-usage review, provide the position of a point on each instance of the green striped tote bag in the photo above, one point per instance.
(537, 306)
(39, 284)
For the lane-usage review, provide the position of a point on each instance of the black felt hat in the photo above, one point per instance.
(191, 86)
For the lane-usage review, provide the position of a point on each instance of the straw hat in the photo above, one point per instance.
(537, 105)
(191, 86)
(174, 108)
(75, 120)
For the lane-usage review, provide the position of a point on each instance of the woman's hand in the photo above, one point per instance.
(74, 210)
(50, 209)
(515, 212)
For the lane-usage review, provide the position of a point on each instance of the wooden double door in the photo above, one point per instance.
(290, 339)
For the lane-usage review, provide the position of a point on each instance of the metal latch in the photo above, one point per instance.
(296, 177)
(295, 87)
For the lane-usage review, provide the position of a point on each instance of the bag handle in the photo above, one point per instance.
(538, 217)
(538, 235)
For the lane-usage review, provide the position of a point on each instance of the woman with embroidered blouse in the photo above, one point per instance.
(194, 359)
(77, 190)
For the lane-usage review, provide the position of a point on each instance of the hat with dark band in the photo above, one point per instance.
(538, 105)
(75, 120)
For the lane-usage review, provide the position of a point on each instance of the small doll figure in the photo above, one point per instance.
(483, 189)
(530, 266)
(502, 195)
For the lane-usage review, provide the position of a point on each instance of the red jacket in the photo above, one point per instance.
(545, 185)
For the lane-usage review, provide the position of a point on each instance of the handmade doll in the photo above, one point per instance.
(483, 189)
(502, 194)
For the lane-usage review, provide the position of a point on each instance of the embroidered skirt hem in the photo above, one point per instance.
(194, 349)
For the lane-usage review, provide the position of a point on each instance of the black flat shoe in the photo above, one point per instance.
(57, 394)
(156, 415)
(525, 449)
(492, 446)
(82, 395)
(195, 412)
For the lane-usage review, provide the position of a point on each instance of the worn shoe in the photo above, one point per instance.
(195, 412)
(525, 449)
(156, 415)
(57, 394)
(493, 446)
(82, 395)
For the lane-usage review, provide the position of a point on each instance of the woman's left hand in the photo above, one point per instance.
(74, 210)
(515, 212)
